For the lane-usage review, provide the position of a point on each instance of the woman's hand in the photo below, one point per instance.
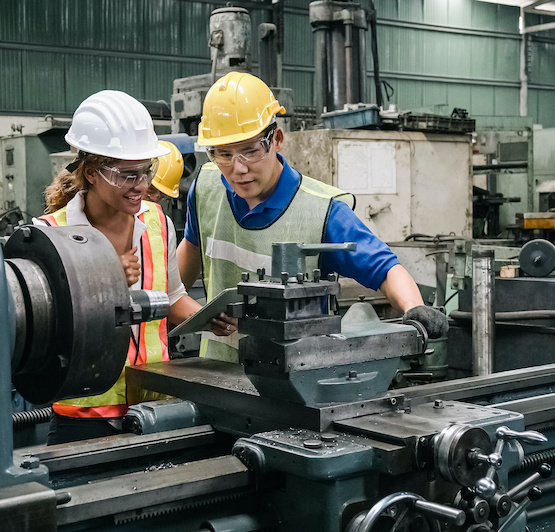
(223, 325)
(131, 266)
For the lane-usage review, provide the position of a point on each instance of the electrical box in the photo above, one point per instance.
(405, 183)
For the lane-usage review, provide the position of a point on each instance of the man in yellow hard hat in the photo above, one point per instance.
(166, 180)
(248, 197)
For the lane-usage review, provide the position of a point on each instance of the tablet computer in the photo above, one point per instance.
(200, 321)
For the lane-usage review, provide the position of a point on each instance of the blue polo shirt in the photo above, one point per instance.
(368, 265)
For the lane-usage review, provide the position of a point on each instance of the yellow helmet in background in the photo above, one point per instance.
(170, 170)
(237, 107)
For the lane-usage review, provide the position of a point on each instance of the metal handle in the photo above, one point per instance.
(314, 249)
(441, 512)
(527, 436)
(416, 502)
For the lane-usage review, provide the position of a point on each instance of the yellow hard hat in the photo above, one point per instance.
(237, 107)
(170, 170)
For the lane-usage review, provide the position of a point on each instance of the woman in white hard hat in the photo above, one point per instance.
(166, 180)
(117, 158)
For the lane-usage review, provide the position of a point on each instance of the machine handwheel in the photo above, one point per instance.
(395, 513)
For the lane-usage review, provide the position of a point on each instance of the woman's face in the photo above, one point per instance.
(122, 184)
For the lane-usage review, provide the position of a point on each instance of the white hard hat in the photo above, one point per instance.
(114, 124)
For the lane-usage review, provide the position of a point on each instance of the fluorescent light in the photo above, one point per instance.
(539, 6)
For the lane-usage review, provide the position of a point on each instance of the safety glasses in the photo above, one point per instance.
(252, 152)
(129, 175)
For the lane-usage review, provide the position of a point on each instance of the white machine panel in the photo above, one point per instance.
(404, 182)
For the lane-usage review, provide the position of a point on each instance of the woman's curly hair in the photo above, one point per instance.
(68, 183)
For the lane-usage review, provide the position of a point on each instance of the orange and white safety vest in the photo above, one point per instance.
(152, 342)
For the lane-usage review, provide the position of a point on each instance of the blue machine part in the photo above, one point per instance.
(159, 416)
(185, 143)
(28, 468)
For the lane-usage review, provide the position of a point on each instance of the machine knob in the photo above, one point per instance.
(537, 258)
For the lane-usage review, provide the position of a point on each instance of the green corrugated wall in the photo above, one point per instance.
(455, 53)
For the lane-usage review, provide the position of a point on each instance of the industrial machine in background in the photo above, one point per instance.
(230, 49)
(25, 171)
(514, 180)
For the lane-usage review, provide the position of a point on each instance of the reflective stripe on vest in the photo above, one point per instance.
(227, 249)
(57, 218)
(153, 340)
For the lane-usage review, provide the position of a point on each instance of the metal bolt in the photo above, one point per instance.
(352, 375)
(30, 462)
(438, 403)
(26, 232)
(245, 277)
(261, 273)
(284, 278)
(79, 238)
(300, 278)
(328, 437)
(331, 277)
(455, 284)
(316, 274)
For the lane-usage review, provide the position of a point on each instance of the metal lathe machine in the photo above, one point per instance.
(310, 432)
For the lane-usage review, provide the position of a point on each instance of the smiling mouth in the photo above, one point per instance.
(133, 197)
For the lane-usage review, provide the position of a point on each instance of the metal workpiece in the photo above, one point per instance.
(148, 305)
(72, 301)
(483, 324)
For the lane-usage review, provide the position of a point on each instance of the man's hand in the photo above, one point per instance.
(131, 266)
(223, 325)
(434, 321)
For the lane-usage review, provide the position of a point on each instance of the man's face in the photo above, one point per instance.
(251, 167)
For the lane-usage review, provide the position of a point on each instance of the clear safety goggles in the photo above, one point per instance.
(252, 152)
(130, 175)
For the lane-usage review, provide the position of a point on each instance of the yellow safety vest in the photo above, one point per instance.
(227, 249)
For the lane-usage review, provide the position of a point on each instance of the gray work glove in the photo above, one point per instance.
(434, 321)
